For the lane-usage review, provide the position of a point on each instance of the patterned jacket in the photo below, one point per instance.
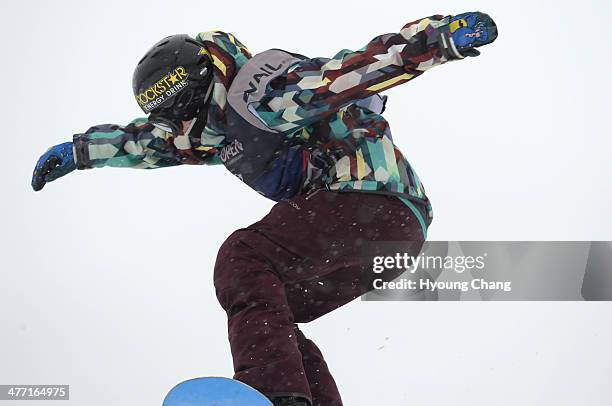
(323, 103)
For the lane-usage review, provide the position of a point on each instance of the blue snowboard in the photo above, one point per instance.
(214, 391)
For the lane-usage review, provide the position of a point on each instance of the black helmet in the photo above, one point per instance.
(172, 81)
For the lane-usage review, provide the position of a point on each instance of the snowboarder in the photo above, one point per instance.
(307, 133)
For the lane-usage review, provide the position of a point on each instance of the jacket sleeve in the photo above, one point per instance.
(314, 88)
(140, 145)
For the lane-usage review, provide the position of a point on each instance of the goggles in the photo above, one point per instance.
(165, 124)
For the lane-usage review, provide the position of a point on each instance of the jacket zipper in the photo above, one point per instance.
(310, 194)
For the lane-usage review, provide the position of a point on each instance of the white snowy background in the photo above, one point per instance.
(106, 275)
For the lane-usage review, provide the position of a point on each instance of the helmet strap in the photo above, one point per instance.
(198, 124)
(201, 119)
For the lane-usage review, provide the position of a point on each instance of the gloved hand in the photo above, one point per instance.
(55, 163)
(471, 30)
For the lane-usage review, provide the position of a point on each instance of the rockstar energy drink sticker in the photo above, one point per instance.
(168, 86)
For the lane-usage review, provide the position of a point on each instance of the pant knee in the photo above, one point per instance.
(228, 263)
(233, 248)
(243, 277)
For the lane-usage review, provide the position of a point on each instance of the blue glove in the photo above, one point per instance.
(472, 30)
(55, 163)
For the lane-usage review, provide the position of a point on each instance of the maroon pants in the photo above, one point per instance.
(301, 261)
